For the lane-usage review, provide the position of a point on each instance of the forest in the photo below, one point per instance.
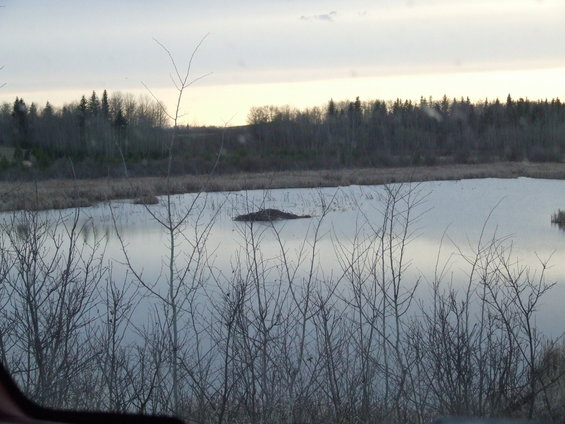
(94, 136)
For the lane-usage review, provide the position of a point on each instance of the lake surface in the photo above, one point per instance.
(450, 217)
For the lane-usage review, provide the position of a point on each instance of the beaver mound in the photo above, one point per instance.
(268, 215)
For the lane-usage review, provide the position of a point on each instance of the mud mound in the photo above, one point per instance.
(268, 215)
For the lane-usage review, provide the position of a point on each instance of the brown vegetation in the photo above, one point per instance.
(58, 194)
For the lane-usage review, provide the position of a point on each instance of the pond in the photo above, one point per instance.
(448, 221)
(437, 281)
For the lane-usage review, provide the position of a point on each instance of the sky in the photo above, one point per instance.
(281, 52)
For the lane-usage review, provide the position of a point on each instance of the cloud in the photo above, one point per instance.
(328, 17)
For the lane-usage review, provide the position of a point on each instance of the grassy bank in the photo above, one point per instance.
(58, 194)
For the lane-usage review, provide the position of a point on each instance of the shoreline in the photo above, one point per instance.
(60, 194)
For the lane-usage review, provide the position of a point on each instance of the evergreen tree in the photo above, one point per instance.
(332, 111)
(83, 106)
(82, 112)
(33, 110)
(49, 126)
(32, 118)
(93, 104)
(357, 106)
(120, 123)
(120, 126)
(105, 106)
(47, 111)
(19, 114)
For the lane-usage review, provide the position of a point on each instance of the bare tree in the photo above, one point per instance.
(50, 292)
(515, 296)
(374, 266)
(111, 343)
(187, 233)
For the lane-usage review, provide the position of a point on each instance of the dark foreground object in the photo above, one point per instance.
(16, 408)
(268, 215)
(479, 420)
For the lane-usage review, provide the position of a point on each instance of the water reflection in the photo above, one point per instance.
(560, 225)
(453, 217)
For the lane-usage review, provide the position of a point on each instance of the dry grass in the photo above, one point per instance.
(559, 217)
(58, 194)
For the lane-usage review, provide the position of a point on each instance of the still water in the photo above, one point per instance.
(448, 221)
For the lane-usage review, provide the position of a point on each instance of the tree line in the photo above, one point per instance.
(402, 132)
(105, 128)
(99, 133)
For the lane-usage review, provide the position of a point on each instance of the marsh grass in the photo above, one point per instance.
(559, 217)
(60, 194)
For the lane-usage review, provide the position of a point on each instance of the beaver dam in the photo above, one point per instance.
(268, 215)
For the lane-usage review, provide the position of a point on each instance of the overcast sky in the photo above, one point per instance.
(297, 52)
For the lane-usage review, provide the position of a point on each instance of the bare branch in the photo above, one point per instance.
(188, 69)
(163, 108)
(171, 58)
(198, 79)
